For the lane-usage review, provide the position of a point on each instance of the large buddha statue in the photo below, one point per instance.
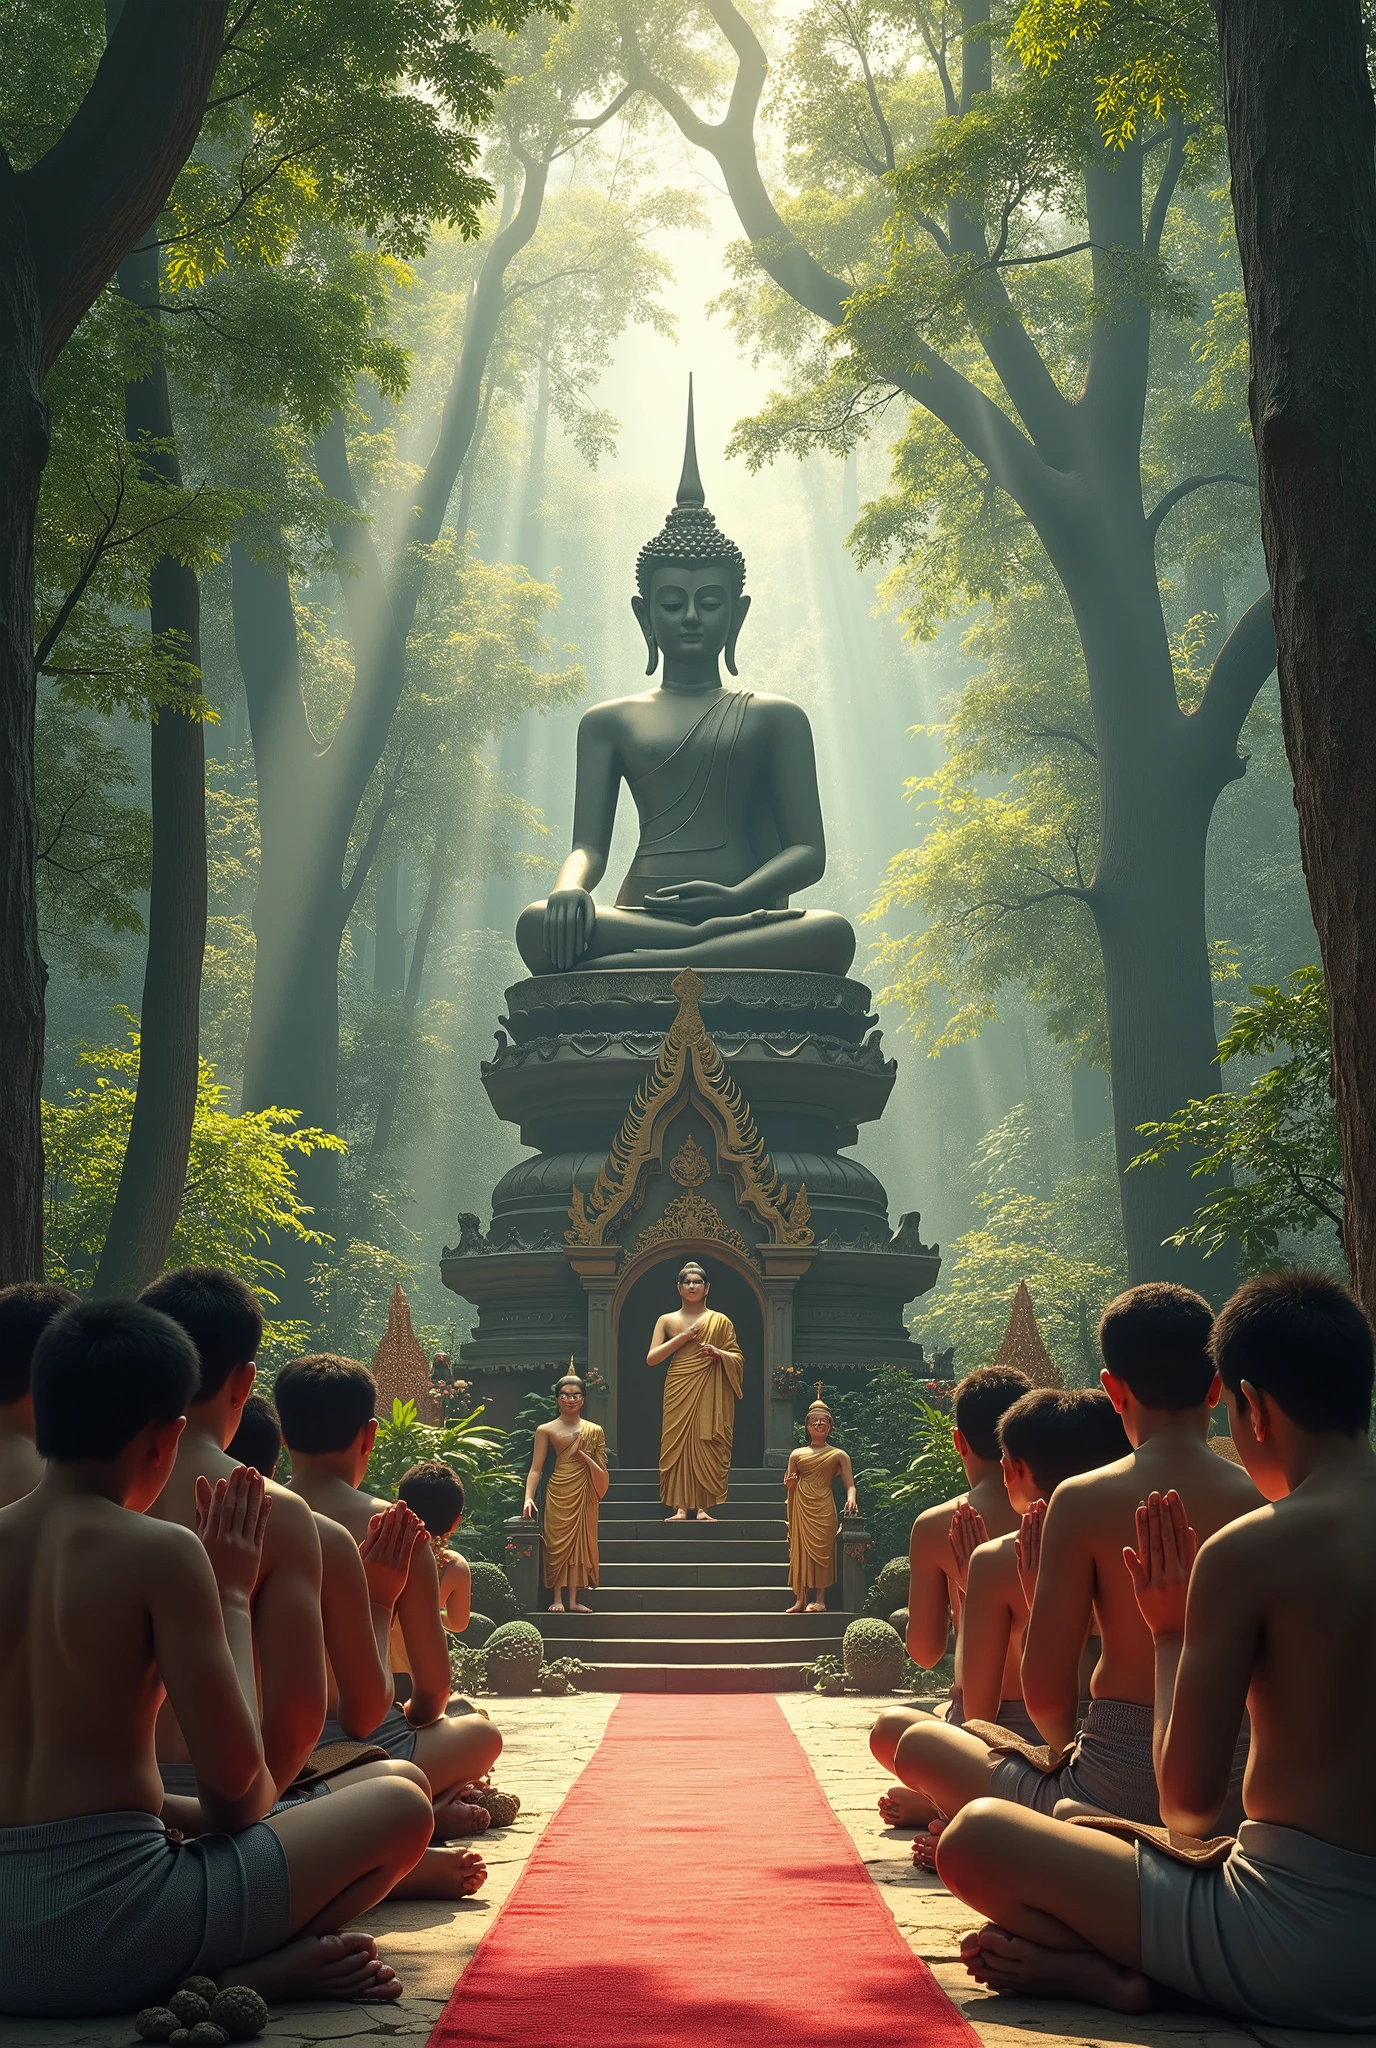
(724, 781)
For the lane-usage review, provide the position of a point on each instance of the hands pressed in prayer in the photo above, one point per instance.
(1029, 1549)
(968, 1531)
(1160, 1566)
(231, 1521)
(386, 1552)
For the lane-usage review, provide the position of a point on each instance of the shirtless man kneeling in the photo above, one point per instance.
(26, 1310)
(936, 1580)
(1160, 1377)
(102, 1607)
(1277, 1611)
(435, 1493)
(326, 1405)
(1046, 1437)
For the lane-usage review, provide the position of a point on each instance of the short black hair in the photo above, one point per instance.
(258, 1439)
(26, 1309)
(1155, 1338)
(1301, 1338)
(1058, 1431)
(433, 1491)
(101, 1372)
(324, 1401)
(978, 1402)
(219, 1312)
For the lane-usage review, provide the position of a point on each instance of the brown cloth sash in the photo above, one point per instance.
(329, 1760)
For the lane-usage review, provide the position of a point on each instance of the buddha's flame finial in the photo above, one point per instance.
(690, 491)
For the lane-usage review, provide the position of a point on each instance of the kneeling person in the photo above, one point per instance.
(326, 1405)
(102, 1607)
(435, 1496)
(1277, 1613)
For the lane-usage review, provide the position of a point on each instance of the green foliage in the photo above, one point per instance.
(885, 1425)
(873, 1654)
(472, 1452)
(515, 1653)
(562, 1675)
(889, 1586)
(1277, 1136)
(240, 1182)
(93, 848)
(491, 1590)
(824, 1674)
(467, 1665)
(480, 1628)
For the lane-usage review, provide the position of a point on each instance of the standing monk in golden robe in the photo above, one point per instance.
(572, 1498)
(812, 1523)
(700, 1394)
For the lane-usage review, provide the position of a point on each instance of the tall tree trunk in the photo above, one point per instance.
(533, 544)
(389, 940)
(430, 910)
(1301, 132)
(464, 520)
(153, 1176)
(23, 453)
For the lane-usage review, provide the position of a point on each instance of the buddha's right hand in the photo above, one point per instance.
(570, 915)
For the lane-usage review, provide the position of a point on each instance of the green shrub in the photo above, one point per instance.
(492, 1592)
(514, 1655)
(873, 1654)
(562, 1676)
(467, 1666)
(889, 1590)
(480, 1627)
(899, 1620)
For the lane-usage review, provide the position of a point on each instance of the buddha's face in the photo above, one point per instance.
(570, 1403)
(819, 1428)
(692, 1289)
(692, 616)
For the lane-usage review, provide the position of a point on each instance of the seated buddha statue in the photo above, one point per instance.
(724, 782)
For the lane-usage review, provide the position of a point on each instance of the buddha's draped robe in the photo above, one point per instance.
(700, 1396)
(812, 1521)
(570, 1521)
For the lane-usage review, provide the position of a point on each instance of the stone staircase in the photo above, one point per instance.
(695, 1606)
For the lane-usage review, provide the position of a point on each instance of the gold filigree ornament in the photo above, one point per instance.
(692, 1216)
(688, 1067)
(690, 1166)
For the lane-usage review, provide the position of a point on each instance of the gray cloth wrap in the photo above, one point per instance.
(180, 1780)
(1110, 1768)
(393, 1733)
(104, 1913)
(1280, 1933)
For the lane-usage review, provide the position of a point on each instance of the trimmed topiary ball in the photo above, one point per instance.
(514, 1654)
(890, 1588)
(240, 2012)
(189, 2007)
(203, 1987)
(480, 1627)
(899, 1620)
(873, 1654)
(205, 2034)
(492, 1592)
(156, 2023)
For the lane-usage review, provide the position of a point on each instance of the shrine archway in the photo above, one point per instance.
(649, 1290)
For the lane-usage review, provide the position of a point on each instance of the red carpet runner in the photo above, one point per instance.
(695, 1890)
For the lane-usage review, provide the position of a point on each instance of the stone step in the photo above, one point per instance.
(652, 1545)
(694, 1678)
(681, 1599)
(722, 1534)
(662, 1623)
(689, 1650)
(617, 1510)
(678, 1570)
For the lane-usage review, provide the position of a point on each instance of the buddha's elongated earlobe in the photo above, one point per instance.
(738, 612)
(642, 618)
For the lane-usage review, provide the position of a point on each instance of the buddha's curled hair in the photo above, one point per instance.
(690, 537)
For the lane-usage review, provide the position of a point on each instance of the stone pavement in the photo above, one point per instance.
(547, 1744)
(834, 1733)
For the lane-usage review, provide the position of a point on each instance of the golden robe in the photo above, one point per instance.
(812, 1521)
(571, 1504)
(700, 1396)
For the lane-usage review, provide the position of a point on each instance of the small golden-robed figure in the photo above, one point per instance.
(812, 1523)
(701, 1390)
(572, 1498)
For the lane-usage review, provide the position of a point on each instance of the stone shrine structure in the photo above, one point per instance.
(689, 1066)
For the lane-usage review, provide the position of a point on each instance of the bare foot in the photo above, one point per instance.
(679, 1515)
(1022, 1969)
(455, 1816)
(796, 1608)
(555, 1607)
(318, 1966)
(900, 1807)
(443, 1873)
(815, 1607)
(924, 1848)
(703, 1516)
(578, 1608)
